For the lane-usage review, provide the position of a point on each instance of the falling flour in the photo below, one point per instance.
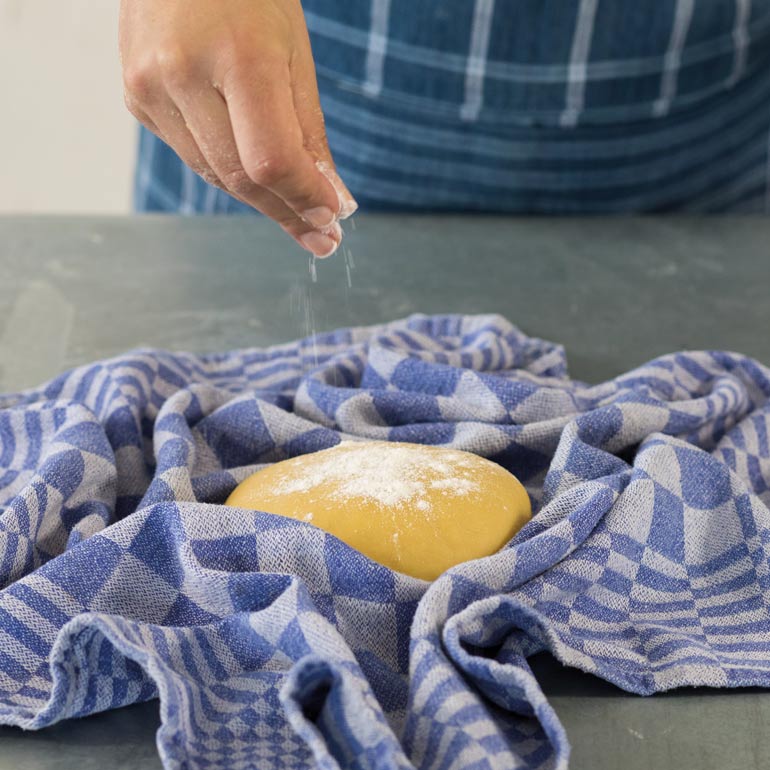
(389, 476)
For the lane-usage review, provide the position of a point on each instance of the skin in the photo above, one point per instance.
(230, 85)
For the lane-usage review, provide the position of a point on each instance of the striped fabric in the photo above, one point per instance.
(530, 106)
(273, 646)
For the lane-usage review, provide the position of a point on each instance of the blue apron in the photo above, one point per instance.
(532, 106)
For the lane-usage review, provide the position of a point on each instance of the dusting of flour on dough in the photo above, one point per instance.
(390, 475)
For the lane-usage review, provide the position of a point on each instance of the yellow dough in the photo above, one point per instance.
(416, 509)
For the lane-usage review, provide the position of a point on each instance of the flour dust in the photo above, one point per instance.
(302, 296)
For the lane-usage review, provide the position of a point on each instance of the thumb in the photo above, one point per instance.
(311, 120)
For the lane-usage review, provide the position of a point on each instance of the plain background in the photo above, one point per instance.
(68, 143)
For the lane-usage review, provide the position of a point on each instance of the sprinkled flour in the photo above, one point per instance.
(389, 475)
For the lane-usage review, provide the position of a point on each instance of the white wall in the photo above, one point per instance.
(67, 143)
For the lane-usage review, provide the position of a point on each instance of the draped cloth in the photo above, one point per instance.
(273, 645)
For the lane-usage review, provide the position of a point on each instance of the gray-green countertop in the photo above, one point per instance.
(614, 292)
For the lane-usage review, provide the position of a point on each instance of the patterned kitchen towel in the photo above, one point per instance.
(272, 645)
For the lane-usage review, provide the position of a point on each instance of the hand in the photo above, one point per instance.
(230, 85)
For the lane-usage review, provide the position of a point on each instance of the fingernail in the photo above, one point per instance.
(319, 244)
(319, 217)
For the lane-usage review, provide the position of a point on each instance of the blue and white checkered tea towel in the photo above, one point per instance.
(272, 645)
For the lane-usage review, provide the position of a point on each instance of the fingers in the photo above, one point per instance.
(307, 106)
(143, 117)
(270, 140)
(172, 128)
(258, 133)
(207, 121)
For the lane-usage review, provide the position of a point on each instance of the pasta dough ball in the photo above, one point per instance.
(416, 509)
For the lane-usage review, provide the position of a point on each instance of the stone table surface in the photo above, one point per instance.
(615, 292)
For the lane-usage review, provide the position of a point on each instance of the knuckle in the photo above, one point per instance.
(174, 64)
(209, 177)
(238, 181)
(137, 81)
(270, 171)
